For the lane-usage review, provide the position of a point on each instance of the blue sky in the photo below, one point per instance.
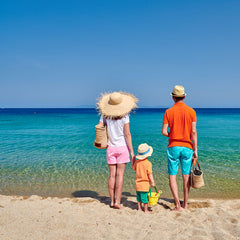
(65, 53)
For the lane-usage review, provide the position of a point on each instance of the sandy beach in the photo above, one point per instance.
(38, 217)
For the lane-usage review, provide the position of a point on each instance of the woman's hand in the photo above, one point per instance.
(133, 158)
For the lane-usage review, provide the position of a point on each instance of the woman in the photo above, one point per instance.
(114, 108)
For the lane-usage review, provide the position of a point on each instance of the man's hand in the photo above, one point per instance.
(195, 153)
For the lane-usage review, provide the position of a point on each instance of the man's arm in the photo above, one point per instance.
(165, 130)
(194, 139)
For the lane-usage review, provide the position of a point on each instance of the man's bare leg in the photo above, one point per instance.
(174, 189)
(186, 188)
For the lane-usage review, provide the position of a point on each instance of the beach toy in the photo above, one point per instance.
(153, 196)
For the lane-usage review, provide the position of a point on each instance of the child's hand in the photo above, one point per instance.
(153, 184)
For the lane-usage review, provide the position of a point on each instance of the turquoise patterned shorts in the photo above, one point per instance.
(182, 155)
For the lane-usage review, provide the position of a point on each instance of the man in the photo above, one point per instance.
(181, 120)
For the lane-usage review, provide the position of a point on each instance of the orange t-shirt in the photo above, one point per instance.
(179, 118)
(143, 168)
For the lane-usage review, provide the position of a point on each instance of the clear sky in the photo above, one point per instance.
(65, 53)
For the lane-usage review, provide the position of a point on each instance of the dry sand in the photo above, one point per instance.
(91, 218)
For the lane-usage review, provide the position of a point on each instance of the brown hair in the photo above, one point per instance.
(115, 118)
(177, 99)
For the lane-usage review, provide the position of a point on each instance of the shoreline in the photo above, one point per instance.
(95, 194)
(36, 217)
(103, 196)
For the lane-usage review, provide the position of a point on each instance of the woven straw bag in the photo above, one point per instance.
(196, 176)
(101, 140)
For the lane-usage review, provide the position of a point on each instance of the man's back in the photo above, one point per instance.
(179, 118)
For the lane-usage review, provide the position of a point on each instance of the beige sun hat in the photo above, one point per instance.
(144, 151)
(178, 91)
(116, 104)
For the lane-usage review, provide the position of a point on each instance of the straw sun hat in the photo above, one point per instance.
(116, 104)
(144, 151)
(178, 91)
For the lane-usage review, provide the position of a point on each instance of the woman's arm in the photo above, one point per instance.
(129, 140)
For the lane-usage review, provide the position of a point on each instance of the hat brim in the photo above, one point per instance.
(120, 110)
(175, 95)
(140, 157)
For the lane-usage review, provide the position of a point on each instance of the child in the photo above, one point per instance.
(144, 176)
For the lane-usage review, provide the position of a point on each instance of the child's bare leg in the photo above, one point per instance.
(146, 208)
(139, 206)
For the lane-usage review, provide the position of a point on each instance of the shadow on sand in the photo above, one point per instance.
(169, 203)
(166, 203)
(106, 200)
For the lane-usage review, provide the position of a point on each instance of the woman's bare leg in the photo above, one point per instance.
(112, 182)
(119, 183)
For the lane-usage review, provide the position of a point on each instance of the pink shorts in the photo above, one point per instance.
(118, 155)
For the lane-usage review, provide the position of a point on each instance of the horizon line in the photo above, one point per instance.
(144, 107)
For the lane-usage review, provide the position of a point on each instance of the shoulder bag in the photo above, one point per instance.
(101, 140)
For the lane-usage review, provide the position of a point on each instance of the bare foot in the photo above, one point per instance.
(140, 209)
(112, 205)
(184, 205)
(147, 211)
(117, 205)
(179, 209)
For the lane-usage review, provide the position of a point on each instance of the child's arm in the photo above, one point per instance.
(152, 180)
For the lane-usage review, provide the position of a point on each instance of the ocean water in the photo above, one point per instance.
(49, 152)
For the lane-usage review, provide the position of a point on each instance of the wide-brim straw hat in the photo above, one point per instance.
(116, 104)
(178, 91)
(144, 151)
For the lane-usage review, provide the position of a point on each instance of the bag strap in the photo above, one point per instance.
(194, 161)
(104, 122)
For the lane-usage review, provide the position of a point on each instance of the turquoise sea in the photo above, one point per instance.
(49, 152)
